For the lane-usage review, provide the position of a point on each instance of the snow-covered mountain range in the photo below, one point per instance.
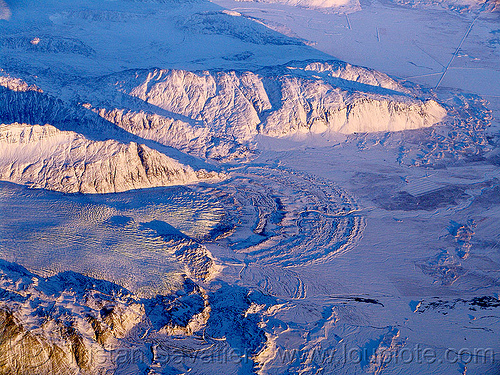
(209, 114)
(44, 157)
(207, 187)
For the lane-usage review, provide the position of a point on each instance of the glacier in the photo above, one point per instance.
(249, 187)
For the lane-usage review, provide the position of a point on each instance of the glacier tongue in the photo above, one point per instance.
(45, 157)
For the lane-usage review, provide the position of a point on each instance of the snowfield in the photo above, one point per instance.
(249, 187)
(342, 5)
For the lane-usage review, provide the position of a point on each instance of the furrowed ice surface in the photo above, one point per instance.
(292, 224)
(128, 238)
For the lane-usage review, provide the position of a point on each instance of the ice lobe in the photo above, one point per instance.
(45, 157)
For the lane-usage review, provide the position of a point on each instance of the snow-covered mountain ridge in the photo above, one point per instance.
(73, 324)
(88, 144)
(315, 97)
(45, 157)
(334, 217)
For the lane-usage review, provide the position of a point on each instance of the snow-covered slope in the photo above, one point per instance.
(216, 114)
(209, 114)
(185, 136)
(339, 221)
(45, 157)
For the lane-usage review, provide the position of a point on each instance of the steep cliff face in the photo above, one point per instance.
(45, 157)
(318, 107)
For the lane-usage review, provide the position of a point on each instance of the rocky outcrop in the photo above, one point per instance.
(73, 324)
(16, 84)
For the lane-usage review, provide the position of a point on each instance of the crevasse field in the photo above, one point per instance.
(250, 187)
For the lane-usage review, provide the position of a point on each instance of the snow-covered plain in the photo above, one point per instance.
(207, 187)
